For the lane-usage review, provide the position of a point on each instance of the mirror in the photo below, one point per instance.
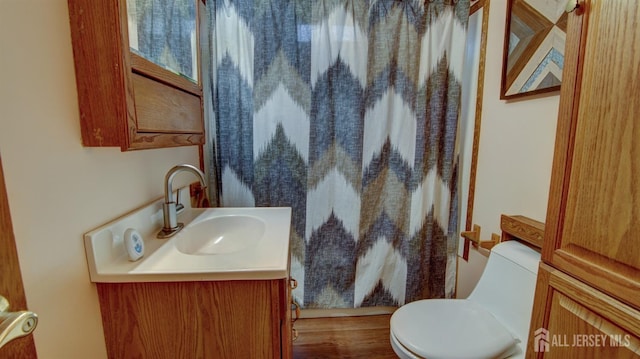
(164, 32)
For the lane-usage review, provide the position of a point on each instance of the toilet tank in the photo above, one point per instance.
(507, 285)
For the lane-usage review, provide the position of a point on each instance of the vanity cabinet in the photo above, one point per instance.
(125, 99)
(589, 283)
(219, 319)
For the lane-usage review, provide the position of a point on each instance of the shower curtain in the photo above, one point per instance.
(346, 111)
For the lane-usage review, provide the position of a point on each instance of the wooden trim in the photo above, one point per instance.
(199, 23)
(11, 285)
(505, 50)
(552, 281)
(515, 227)
(478, 121)
(476, 6)
(596, 301)
(276, 317)
(284, 339)
(541, 308)
(287, 329)
(616, 279)
(129, 92)
(201, 158)
(478, 116)
(100, 80)
(565, 137)
(149, 69)
(141, 141)
(522, 228)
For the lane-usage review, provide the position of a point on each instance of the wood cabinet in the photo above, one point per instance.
(590, 283)
(579, 321)
(126, 100)
(222, 319)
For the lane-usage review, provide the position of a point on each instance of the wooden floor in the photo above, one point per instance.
(343, 337)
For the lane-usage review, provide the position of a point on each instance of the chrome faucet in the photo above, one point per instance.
(170, 207)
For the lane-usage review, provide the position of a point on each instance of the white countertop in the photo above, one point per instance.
(163, 262)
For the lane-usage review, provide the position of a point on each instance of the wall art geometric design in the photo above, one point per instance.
(534, 47)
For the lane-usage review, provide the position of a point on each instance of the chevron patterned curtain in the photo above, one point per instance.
(346, 111)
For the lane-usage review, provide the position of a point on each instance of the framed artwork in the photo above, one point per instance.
(533, 47)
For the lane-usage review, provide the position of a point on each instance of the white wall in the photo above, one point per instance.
(57, 189)
(516, 151)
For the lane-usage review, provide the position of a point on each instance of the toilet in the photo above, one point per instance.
(493, 322)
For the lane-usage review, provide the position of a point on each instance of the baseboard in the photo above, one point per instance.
(347, 312)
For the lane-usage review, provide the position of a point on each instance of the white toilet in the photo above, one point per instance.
(492, 323)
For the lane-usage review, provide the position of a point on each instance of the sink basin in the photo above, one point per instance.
(223, 234)
(224, 243)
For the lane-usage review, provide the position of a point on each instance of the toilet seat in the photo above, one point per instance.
(400, 350)
(451, 329)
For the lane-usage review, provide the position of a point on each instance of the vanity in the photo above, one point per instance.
(224, 296)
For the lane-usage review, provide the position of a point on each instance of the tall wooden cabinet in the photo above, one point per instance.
(587, 300)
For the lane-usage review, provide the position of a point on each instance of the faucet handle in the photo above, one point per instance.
(170, 208)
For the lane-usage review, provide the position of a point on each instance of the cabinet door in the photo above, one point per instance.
(573, 320)
(593, 219)
(169, 320)
(125, 100)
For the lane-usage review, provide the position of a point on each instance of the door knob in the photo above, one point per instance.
(15, 324)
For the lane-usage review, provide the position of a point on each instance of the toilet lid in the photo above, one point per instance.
(451, 329)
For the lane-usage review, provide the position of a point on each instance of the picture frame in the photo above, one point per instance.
(534, 40)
